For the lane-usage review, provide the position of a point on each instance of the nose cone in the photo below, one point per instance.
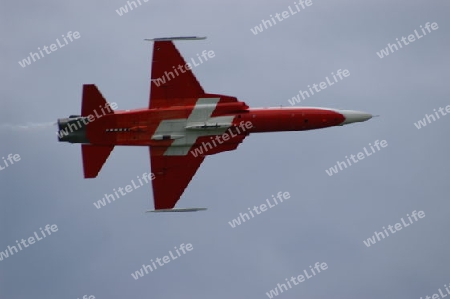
(352, 116)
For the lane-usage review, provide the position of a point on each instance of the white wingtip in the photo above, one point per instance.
(160, 39)
(176, 210)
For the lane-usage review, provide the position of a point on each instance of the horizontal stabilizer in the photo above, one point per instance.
(94, 156)
(176, 210)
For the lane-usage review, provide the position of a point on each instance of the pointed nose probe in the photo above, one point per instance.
(352, 116)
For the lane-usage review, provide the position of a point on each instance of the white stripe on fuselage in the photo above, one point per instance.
(201, 113)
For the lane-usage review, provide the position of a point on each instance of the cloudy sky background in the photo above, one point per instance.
(327, 218)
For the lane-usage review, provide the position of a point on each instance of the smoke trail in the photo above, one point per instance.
(27, 126)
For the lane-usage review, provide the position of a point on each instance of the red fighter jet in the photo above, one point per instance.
(182, 124)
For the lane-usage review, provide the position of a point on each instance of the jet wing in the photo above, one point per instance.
(172, 176)
(174, 84)
(174, 173)
(171, 79)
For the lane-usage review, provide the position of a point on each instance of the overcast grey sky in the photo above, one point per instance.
(327, 217)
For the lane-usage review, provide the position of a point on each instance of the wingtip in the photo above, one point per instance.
(160, 39)
(176, 210)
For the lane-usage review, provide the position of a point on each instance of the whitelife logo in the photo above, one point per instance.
(323, 85)
(262, 208)
(206, 146)
(71, 36)
(440, 295)
(183, 68)
(411, 38)
(88, 119)
(124, 9)
(128, 189)
(360, 156)
(11, 158)
(393, 229)
(301, 278)
(31, 240)
(423, 122)
(165, 260)
(280, 17)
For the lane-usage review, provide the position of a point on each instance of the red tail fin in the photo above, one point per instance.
(93, 101)
(94, 156)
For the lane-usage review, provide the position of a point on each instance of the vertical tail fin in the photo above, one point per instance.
(94, 156)
(93, 101)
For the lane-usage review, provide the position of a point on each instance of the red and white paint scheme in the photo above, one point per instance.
(181, 118)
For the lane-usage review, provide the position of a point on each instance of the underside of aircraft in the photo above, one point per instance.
(181, 125)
